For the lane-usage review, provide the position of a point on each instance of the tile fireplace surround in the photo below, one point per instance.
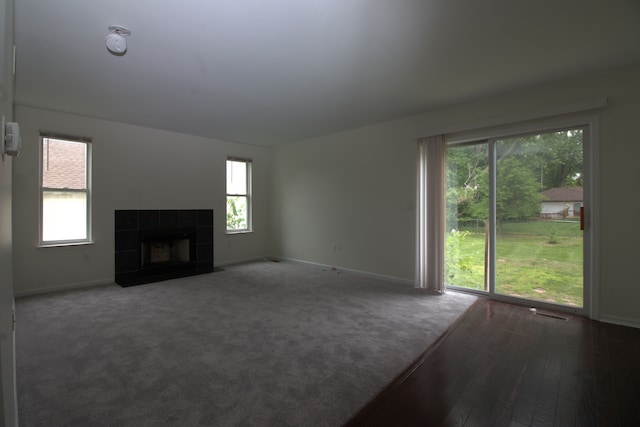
(156, 245)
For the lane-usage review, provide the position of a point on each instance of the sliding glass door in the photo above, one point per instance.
(513, 210)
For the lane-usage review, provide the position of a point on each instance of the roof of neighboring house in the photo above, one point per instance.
(64, 165)
(563, 194)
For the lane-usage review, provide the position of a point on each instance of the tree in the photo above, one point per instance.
(555, 157)
(236, 213)
(467, 169)
(519, 177)
(517, 196)
(562, 159)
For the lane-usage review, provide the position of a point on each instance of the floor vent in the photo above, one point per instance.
(553, 316)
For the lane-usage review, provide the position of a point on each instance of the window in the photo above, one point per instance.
(65, 196)
(238, 195)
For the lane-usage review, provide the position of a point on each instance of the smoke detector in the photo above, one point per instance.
(116, 42)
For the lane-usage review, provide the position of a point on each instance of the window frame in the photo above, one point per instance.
(87, 191)
(249, 195)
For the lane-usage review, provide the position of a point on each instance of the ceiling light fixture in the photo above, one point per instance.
(116, 42)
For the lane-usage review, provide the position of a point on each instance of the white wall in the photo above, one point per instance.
(357, 188)
(133, 168)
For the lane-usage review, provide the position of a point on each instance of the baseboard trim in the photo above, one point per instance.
(391, 279)
(111, 280)
(79, 285)
(622, 321)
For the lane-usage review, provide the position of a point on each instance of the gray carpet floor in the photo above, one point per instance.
(259, 344)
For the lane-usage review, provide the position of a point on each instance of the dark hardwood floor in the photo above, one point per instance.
(501, 365)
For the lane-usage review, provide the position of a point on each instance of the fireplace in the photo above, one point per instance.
(171, 251)
(155, 245)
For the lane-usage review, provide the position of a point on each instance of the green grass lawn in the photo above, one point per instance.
(540, 260)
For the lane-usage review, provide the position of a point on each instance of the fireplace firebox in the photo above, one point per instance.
(170, 251)
(155, 245)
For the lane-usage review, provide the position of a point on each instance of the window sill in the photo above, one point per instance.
(232, 232)
(58, 245)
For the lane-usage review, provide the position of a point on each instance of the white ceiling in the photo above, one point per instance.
(277, 71)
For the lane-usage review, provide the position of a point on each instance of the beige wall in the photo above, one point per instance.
(8, 409)
(133, 168)
(357, 188)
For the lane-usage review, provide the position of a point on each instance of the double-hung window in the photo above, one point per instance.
(65, 190)
(238, 195)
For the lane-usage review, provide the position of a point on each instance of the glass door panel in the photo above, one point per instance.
(467, 213)
(539, 245)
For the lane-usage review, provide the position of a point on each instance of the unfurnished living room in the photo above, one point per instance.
(319, 213)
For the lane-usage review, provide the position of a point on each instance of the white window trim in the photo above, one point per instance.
(249, 197)
(70, 242)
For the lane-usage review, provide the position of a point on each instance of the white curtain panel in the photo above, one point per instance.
(431, 215)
